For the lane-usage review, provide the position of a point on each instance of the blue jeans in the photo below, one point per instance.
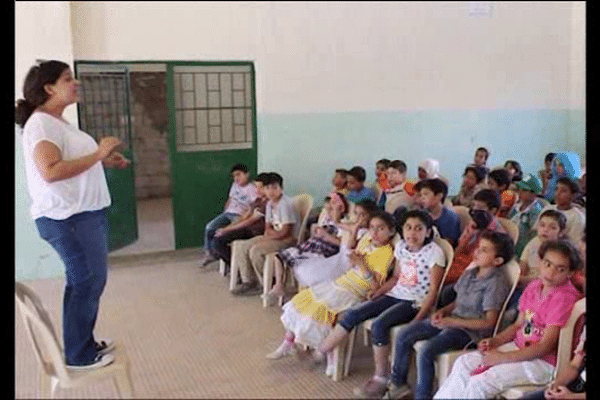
(439, 341)
(210, 229)
(81, 242)
(389, 311)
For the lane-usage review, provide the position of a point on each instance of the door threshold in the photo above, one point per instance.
(154, 257)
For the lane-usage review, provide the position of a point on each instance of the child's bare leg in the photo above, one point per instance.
(333, 339)
(381, 357)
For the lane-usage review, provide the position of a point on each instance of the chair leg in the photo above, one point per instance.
(46, 386)
(233, 268)
(338, 360)
(222, 267)
(366, 335)
(267, 278)
(349, 350)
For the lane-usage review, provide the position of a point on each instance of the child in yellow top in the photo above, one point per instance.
(309, 316)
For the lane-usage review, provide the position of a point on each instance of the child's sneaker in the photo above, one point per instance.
(397, 392)
(283, 350)
(375, 388)
(101, 360)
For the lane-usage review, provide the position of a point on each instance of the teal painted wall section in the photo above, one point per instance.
(34, 258)
(307, 148)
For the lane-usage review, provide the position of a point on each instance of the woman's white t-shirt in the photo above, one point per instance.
(59, 200)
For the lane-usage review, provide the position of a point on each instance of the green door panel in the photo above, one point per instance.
(103, 110)
(122, 214)
(201, 183)
(201, 179)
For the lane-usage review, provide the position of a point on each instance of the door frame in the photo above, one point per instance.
(170, 64)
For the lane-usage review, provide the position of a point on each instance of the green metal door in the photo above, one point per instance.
(104, 111)
(212, 112)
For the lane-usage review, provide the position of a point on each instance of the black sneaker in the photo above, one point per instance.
(105, 346)
(247, 289)
(101, 360)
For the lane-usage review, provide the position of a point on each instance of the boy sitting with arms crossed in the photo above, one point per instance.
(481, 291)
(431, 194)
(251, 224)
(281, 227)
(400, 192)
(525, 352)
(241, 195)
(566, 189)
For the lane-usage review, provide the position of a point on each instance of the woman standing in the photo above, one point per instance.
(66, 182)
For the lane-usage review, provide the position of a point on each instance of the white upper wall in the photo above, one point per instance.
(354, 56)
(42, 31)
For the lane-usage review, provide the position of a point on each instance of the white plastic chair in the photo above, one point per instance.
(444, 362)
(564, 353)
(50, 354)
(303, 204)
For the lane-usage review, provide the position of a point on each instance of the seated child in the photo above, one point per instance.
(356, 186)
(281, 230)
(481, 157)
(251, 224)
(429, 169)
(514, 170)
(580, 198)
(381, 180)
(546, 173)
(526, 210)
(400, 192)
(408, 295)
(340, 181)
(551, 225)
(309, 316)
(431, 194)
(525, 352)
(241, 194)
(316, 270)
(499, 180)
(571, 381)
(480, 294)
(485, 205)
(323, 242)
(566, 189)
(564, 164)
(473, 181)
(579, 278)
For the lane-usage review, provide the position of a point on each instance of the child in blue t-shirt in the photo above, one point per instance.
(356, 184)
(431, 194)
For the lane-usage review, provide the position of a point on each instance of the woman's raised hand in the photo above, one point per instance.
(107, 145)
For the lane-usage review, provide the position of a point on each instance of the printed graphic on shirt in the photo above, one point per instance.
(408, 273)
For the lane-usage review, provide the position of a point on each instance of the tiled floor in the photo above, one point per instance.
(187, 337)
(155, 228)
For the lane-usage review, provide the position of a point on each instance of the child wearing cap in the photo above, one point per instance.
(527, 210)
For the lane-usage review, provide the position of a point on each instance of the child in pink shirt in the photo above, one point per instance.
(525, 352)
